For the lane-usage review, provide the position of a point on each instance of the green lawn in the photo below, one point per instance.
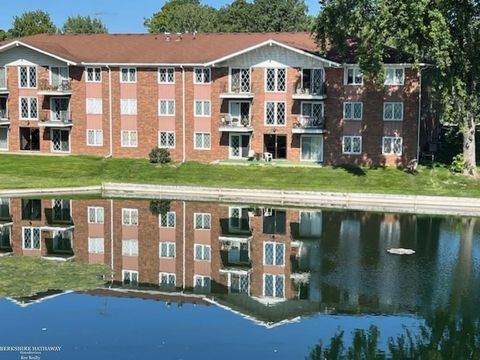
(44, 171)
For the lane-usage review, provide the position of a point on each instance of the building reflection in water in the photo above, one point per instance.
(269, 264)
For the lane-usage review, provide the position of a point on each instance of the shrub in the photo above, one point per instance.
(159, 207)
(159, 156)
(458, 163)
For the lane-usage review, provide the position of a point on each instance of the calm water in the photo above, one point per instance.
(210, 281)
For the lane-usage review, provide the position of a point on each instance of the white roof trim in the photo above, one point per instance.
(270, 43)
(19, 43)
(139, 64)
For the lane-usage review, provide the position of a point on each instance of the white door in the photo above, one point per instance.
(3, 138)
(239, 146)
(60, 140)
(312, 148)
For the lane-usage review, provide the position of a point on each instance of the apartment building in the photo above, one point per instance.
(205, 97)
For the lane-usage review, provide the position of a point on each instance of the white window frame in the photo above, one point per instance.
(168, 245)
(94, 70)
(29, 99)
(203, 71)
(275, 113)
(202, 134)
(167, 75)
(94, 106)
(128, 69)
(393, 103)
(276, 80)
(130, 272)
(167, 102)
(167, 135)
(312, 136)
(130, 212)
(203, 278)
(351, 137)
(356, 69)
(28, 78)
(206, 252)
(94, 246)
(393, 82)
(274, 243)
(167, 275)
(274, 283)
(96, 133)
(352, 103)
(69, 140)
(6, 76)
(130, 142)
(128, 106)
(392, 138)
(130, 247)
(50, 73)
(97, 210)
(31, 229)
(203, 103)
(170, 217)
(203, 222)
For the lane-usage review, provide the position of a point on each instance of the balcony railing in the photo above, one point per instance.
(309, 122)
(234, 123)
(310, 91)
(237, 91)
(3, 114)
(60, 117)
(64, 87)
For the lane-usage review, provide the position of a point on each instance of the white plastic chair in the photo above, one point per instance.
(267, 156)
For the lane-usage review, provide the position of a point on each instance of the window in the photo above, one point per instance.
(238, 283)
(202, 107)
(96, 246)
(3, 77)
(310, 224)
(128, 106)
(27, 77)
(275, 79)
(274, 221)
(94, 105)
(58, 74)
(311, 148)
(130, 217)
(94, 137)
(273, 285)
(95, 215)
(130, 277)
(166, 139)
(352, 111)
(273, 253)
(31, 209)
(166, 280)
(3, 138)
(394, 76)
(129, 138)
(28, 108)
(128, 75)
(129, 247)
(202, 221)
(275, 113)
(166, 75)
(240, 80)
(167, 220)
(166, 107)
(353, 76)
(29, 139)
(393, 111)
(352, 144)
(31, 238)
(201, 76)
(202, 252)
(94, 74)
(202, 141)
(167, 250)
(61, 210)
(201, 283)
(392, 145)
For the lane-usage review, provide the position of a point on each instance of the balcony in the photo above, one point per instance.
(235, 124)
(62, 118)
(64, 88)
(232, 91)
(309, 125)
(4, 120)
(310, 92)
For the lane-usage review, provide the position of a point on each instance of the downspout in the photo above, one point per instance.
(110, 118)
(419, 115)
(184, 153)
(111, 244)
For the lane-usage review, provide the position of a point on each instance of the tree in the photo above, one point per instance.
(4, 35)
(236, 17)
(280, 15)
(32, 23)
(183, 15)
(84, 25)
(447, 32)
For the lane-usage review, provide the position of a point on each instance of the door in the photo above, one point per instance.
(311, 148)
(30, 139)
(239, 146)
(275, 145)
(3, 138)
(60, 140)
(59, 109)
(240, 112)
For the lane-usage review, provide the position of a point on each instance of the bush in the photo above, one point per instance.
(159, 207)
(159, 156)
(458, 164)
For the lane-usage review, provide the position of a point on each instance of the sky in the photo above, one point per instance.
(120, 16)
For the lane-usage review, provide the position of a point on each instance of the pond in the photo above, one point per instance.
(196, 280)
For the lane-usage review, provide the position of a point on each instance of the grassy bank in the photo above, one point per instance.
(43, 171)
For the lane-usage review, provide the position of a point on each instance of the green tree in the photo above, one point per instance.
(280, 15)
(447, 32)
(84, 25)
(236, 17)
(4, 35)
(183, 15)
(32, 23)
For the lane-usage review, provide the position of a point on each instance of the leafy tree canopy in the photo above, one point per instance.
(84, 25)
(32, 23)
